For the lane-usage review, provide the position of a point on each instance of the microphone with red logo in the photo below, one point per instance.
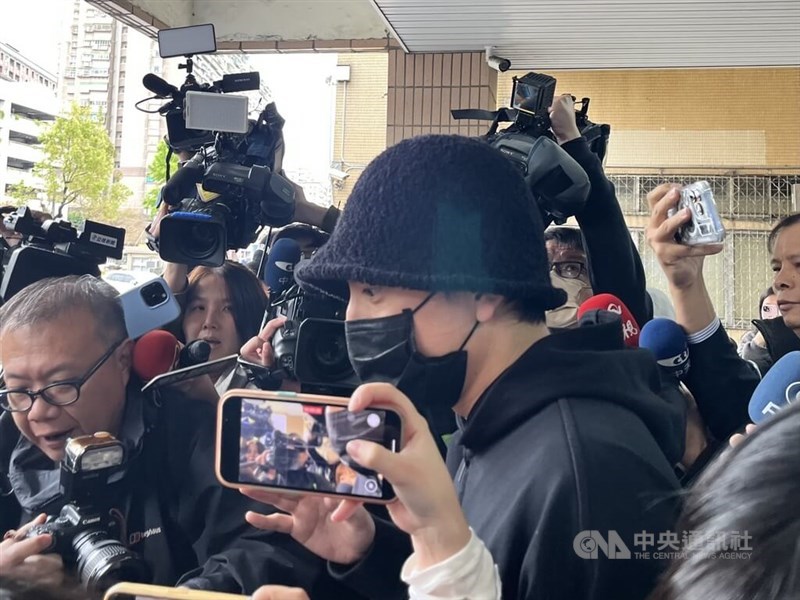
(610, 303)
(158, 352)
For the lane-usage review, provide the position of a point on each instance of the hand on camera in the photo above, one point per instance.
(683, 265)
(22, 558)
(562, 119)
(259, 350)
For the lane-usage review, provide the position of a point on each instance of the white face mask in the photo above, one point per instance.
(578, 291)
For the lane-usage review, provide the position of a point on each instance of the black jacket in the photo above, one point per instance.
(572, 438)
(780, 341)
(176, 515)
(721, 383)
(615, 265)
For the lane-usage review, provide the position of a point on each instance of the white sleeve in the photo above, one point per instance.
(471, 573)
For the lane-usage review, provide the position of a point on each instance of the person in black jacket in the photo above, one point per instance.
(721, 382)
(66, 359)
(563, 438)
(613, 264)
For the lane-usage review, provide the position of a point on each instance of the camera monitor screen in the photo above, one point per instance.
(301, 446)
(185, 41)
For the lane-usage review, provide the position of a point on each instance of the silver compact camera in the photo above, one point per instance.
(706, 226)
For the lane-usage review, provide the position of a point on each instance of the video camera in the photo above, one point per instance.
(85, 532)
(232, 187)
(558, 183)
(53, 249)
(311, 346)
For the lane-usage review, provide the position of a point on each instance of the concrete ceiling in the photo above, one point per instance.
(598, 34)
(534, 34)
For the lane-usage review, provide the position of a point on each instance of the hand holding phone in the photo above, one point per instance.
(427, 506)
(296, 443)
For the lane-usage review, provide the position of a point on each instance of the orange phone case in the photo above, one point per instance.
(158, 592)
(284, 397)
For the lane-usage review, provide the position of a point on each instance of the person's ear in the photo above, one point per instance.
(486, 306)
(124, 360)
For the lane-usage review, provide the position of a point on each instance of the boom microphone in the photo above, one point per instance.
(667, 341)
(609, 302)
(779, 388)
(154, 83)
(279, 272)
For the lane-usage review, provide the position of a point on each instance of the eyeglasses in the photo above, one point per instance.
(61, 393)
(568, 269)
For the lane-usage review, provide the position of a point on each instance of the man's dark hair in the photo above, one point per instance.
(780, 226)
(565, 236)
(752, 490)
(528, 311)
(246, 293)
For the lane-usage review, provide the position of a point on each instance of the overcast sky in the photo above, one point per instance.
(34, 27)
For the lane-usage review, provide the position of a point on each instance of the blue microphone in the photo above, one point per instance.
(779, 388)
(279, 272)
(667, 341)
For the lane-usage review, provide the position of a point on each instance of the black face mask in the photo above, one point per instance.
(384, 349)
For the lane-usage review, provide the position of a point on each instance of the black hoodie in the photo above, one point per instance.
(572, 438)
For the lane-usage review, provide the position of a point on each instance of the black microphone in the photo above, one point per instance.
(193, 353)
(160, 87)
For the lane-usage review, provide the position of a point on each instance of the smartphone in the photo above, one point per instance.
(149, 306)
(142, 591)
(185, 373)
(296, 443)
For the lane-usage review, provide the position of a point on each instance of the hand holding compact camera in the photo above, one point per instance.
(684, 228)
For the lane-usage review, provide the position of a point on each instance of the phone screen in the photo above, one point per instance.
(301, 446)
(185, 373)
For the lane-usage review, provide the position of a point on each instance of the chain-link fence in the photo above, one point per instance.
(750, 205)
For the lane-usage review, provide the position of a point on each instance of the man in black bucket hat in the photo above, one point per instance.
(441, 256)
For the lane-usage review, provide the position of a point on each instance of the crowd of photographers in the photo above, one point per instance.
(544, 455)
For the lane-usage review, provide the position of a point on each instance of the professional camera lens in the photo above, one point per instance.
(328, 357)
(201, 241)
(102, 561)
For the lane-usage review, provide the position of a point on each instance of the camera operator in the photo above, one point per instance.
(440, 250)
(67, 362)
(604, 246)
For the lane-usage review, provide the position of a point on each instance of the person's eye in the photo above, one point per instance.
(367, 291)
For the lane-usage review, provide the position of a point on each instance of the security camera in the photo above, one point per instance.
(495, 62)
(338, 175)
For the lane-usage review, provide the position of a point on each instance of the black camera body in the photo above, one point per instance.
(311, 346)
(84, 533)
(232, 185)
(558, 184)
(54, 249)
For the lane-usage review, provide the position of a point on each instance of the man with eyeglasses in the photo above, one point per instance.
(67, 372)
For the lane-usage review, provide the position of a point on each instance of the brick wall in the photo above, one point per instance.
(360, 126)
(423, 88)
(690, 118)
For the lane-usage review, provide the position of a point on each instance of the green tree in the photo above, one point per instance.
(157, 174)
(23, 194)
(78, 166)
